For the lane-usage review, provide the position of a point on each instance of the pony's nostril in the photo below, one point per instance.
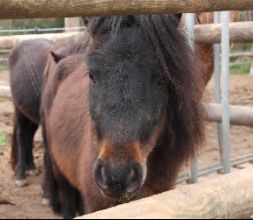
(131, 177)
(103, 173)
(103, 184)
(134, 179)
(100, 175)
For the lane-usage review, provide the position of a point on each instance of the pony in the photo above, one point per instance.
(121, 116)
(27, 62)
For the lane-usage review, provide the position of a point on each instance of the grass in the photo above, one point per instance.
(240, 68)
(3, 66)
(3, 139)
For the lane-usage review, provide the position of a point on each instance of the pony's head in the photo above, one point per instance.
(142, 83)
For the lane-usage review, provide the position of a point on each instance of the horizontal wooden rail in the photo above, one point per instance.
(223, 197)
(208, 34)
(5, 91)
(240, 32)
(8, 42)
(15, 9)
(239, 115)
(3, 60)
(242, 54)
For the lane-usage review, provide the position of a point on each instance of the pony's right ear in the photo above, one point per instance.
(57, 57)
(85, 21)
(178, 17)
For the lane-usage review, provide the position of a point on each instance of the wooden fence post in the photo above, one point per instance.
(72, 23)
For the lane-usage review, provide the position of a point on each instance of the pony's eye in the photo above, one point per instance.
(92, 78)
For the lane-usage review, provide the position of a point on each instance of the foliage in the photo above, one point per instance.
(3, 139)
(31, 23)
(240, 68)
(40, 23)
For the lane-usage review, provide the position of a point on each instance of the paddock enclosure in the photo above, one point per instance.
(217, 182)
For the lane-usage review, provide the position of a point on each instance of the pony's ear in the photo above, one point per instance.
(178, 17)
(57, 57)
(85, 21)
(198, 18)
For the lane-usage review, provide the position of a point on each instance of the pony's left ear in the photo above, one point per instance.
(57, 57)
(178, 17)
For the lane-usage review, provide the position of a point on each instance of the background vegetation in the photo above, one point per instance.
(3, 139)
(27, 24)
(30, 24)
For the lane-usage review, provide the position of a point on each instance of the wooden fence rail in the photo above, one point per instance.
(239, 115)
(209, 34)
(8, 42)
(16, 9)
(240, 32)
(223, 197)
(241, 54)
(5, 91)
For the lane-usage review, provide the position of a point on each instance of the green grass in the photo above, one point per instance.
(240, 68)
(3, 66)
(3, 139)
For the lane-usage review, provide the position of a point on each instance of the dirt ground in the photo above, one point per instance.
(26, 202)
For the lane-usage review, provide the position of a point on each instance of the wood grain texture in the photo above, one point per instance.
(239, 115)
(209, 33)
(240, 32)
(227, 196)
(72, 23)
(241, 54)
(8, 42)
(13, 9)
(5, 91)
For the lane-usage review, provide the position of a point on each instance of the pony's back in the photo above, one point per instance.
(27, 62)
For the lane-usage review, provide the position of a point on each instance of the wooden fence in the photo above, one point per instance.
(223, 197)
(72, 8)
(208, 34)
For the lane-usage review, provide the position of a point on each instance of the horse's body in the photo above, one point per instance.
(27, 63)
(121, 117)
(205, 52)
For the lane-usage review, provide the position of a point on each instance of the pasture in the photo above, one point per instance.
(27, 201)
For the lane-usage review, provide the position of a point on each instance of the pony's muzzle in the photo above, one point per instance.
(121, 183)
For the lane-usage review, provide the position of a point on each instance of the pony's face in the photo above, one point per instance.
(128, 98)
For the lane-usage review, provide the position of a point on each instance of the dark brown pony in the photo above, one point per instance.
(205, 52)
(121, 117)
(27, 62)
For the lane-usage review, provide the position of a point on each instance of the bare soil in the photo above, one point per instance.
(26, 202)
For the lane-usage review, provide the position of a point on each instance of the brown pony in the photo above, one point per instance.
(27, 62)
(120, 117)
(205, 52)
